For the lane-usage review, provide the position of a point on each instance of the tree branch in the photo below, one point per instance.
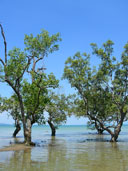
(113, 97)
(5, 44)
(38, 100)
(13, 87)
(29, 61)
(39, 59)
(2, 62)
(105, 128)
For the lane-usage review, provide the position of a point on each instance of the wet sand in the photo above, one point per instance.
(14, 147)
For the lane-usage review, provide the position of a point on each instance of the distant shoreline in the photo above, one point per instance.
(2, 124)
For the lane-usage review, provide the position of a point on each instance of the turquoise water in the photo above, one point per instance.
(42, 133)
(75, 148)
(68, 132)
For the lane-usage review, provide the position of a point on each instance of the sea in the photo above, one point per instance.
(75, 148)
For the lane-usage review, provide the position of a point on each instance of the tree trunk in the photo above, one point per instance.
(53, 129)
(99, 129)
(16, 86)
(113, 138)
(23, 116)
(117, 130)
(28, 133)
(27, 124)
(18, 128)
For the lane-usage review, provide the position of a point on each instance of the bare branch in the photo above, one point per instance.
(5, 44)
(2, 62)
(39, 59)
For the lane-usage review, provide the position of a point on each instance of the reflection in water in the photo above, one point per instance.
(59, 155)
(74, 152)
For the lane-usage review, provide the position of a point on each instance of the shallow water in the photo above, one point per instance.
(73, 149)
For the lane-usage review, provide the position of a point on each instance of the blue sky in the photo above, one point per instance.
(79, 22)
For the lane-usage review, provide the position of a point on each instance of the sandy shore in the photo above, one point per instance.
(15, 147)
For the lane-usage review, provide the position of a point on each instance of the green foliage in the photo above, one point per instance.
(11, 106)
(77, 70)
(102, 93)
(57, 108)
(24, 72)
(42, 44)
(35, 95)
(16, 64)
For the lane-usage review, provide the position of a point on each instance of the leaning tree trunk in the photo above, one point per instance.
(16, 88)
(53, 129)
(117, 129)
(18, 128)
(114, 136)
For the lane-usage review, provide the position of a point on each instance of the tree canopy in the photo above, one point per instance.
(102, 92)
(24, 73)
